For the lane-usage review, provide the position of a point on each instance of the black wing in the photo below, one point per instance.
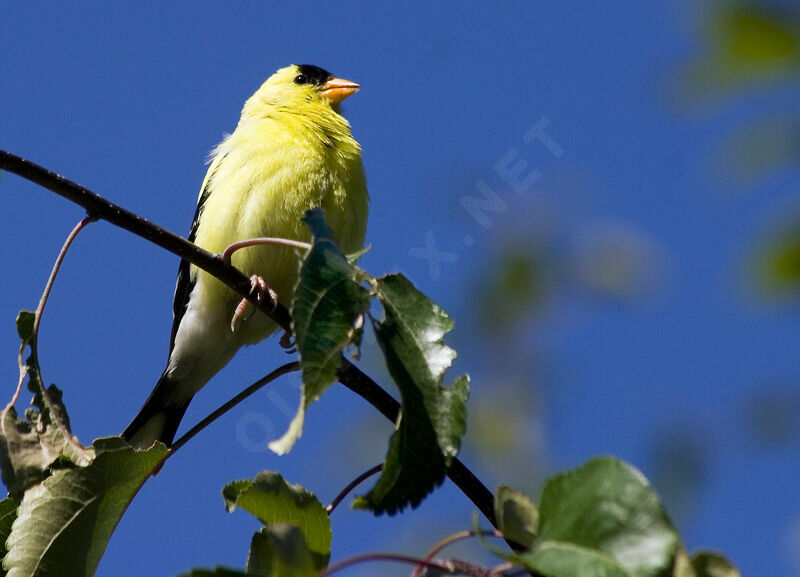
(184, 284)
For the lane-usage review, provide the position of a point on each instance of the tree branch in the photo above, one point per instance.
(349, 375)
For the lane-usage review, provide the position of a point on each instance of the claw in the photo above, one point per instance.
(258, 286)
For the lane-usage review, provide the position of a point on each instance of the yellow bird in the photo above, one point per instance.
(291, 151)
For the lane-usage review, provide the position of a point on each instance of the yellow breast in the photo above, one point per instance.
(264, 178)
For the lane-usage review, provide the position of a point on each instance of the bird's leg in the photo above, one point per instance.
(258, 286)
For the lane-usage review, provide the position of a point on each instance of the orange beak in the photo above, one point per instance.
(337, 89)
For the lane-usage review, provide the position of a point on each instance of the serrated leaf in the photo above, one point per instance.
(608, 506)
(433, 417)
(555, 559)
(328, 301)
(517, 516)
(280, 550)
(23, 454)
(710, 564)
(413, 467)
(29, 446)
(8, 512)
(64, 523)
(274, 501)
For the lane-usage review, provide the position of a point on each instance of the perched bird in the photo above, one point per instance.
(291, 151)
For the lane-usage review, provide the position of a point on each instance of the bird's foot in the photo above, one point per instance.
(262, 292)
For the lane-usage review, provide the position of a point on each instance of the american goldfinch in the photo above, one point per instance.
(291, 151)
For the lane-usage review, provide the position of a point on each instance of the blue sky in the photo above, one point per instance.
(128, 101)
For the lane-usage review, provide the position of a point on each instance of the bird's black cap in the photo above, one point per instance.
(310, 74)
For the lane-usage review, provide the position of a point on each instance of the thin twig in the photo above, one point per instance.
(37, 317)
(396, 557)
(34, 341)
(228, 253)
(54, 415)
(469, 568)
(460, 536)
(262, 382)
(353, 484)
(349, 375)
(56, 267)
(449, 540)
(507, 566)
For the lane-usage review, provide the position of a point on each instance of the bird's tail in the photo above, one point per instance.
(158, 419)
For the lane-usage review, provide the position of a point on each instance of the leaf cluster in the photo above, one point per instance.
(601, 519)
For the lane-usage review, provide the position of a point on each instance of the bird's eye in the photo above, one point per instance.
(300, 79)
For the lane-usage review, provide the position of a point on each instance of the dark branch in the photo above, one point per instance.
(349, 375)
(103, 209)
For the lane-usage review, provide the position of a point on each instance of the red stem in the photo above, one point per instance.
(396, 557)
(353, 484)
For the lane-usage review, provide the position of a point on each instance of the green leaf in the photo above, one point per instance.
(710, 564)
(329, 301)
(64, 523)
(517, 516)
(274, 501)
(555, 559)
(433, 417)
(682, 565)
(608, 506)
(25, 321)
(280, 550)
(30, 446)
(8, 513)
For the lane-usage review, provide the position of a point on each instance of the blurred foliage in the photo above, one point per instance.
(505, 428)
(755, 37)
(617, 263)
(746, 42)
(777, 262)
(680, 465)
(771, 417)
(757, 151)
(755, 45)
(517, 286)
(602, 260)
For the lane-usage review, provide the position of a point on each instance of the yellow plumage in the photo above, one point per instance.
(291, 151)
